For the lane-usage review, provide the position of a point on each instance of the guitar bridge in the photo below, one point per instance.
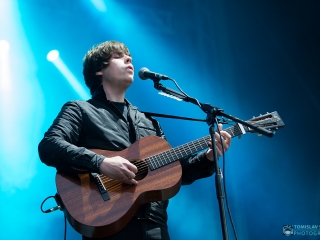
(103, 191)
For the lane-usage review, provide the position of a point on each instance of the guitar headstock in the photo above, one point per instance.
(269, 121)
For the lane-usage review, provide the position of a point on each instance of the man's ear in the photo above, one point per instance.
(99, 74)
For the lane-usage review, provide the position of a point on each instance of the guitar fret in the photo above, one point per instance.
(179, 151)
(188, 146)
(165, 159)
(177, 157)
(201, 143)
(234, 131)
(231, 131)
(193, 147)
(171, 157)
(184, 150)
(158, 160)
(153, 162)
(150, 163)
(204, 143)
(197, 144)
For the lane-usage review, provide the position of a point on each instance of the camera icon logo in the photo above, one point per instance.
(287, 230)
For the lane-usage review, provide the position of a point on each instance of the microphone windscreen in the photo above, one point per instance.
(141, 73)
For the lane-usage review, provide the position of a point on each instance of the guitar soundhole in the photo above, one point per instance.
(142, 169)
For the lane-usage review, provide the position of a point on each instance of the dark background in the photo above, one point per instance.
(246, 57)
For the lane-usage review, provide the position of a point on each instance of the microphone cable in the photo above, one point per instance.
(223, 159)
(174, 81)
(224, 184)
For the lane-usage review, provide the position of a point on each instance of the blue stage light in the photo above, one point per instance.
(4, 65)
(53, 56)
(99, 5)
(4, 46)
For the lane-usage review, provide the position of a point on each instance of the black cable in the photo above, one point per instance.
(59, 206)
(224, 184)
(223, 160)
(65, 228)
(46, 211)
(174, 81)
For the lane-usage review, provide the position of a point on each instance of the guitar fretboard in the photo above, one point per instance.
(174, 154)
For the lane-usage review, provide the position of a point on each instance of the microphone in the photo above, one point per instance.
(145, 73)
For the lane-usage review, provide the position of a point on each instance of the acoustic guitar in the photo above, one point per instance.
(97, 206)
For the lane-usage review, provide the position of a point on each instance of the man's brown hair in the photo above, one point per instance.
(97, 58)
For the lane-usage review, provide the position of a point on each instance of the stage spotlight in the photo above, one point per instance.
(99, 5)
(4, 65)
(52, 55)
(4, 46)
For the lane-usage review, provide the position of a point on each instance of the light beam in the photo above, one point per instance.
(53, 56)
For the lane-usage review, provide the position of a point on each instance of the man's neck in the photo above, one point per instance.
(114, 95)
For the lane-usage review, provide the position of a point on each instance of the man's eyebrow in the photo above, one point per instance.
(118, 53)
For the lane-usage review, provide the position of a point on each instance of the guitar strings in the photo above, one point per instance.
(184, 150)
(167, 157)
(179, 152)
(112, 184)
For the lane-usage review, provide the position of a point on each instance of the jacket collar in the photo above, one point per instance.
(101, 95)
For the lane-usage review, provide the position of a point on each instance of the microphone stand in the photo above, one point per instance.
(212, 112)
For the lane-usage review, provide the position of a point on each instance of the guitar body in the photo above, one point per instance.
(92, 216)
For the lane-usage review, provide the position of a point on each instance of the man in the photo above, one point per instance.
(108, 121)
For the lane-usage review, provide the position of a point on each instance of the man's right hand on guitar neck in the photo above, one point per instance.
(120, 169)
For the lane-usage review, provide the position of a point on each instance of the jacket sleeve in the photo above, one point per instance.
(59, 147)
(195, 167)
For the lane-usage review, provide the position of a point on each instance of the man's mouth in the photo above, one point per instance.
(130, 67)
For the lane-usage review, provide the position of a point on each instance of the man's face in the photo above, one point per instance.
(119, 71)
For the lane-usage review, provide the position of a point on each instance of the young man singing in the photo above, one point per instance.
(109, 121)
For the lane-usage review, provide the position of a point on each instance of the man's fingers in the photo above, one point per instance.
(130, 174)
(129, 180)
(120, 169)
(132, 167)
(226, 136)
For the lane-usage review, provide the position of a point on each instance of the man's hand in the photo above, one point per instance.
(120, 169)
(226, 141)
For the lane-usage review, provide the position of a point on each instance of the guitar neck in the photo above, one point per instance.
(174, 154)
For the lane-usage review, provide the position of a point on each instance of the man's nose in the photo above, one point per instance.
(128, 59)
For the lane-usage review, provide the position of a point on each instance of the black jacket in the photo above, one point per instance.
(98, 123)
